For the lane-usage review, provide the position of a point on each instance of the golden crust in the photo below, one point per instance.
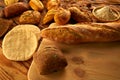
(78, 15)
(49, 17)
(30, 17)
(36, 5)
(65, 7)
(72, 34)
(62, 16)
(9, 2)
(51, 4)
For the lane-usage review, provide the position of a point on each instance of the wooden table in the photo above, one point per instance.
(11, 70)
(99, 63)
(86, 61)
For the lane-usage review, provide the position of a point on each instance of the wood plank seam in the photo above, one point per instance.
(4, 75)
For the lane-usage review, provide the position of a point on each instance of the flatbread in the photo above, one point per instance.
(19, 44)
(31, 28)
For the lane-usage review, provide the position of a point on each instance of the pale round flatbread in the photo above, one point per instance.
(31, 28)
(19, 45)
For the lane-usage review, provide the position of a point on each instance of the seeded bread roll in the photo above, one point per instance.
(78, 33)
(30, 17)
(15, 9)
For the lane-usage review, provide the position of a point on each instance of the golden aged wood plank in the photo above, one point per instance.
(87, 61)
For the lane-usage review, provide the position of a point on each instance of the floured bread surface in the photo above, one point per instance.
(19, 44)
(29, 27)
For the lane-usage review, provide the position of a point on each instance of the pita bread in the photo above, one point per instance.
(29, 27)
(19, 44)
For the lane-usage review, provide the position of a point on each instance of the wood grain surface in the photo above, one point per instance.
(88, 61)
(12, 70)
(101, 62)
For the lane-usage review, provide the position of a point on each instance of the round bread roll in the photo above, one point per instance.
(30, 17)
(19, 44)
(29, 27)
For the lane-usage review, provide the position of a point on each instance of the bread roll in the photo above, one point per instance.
(78, 33)
(78, 15)
(30, 17)
(15, 9)
(36, 5)
(62, 16)
(49, 59)
(51, 4)
(49, 17)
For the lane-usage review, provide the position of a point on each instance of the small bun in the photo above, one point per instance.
(30, 17)
(36, 5)
(62, 16)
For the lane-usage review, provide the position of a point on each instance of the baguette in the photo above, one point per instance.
(78, 33)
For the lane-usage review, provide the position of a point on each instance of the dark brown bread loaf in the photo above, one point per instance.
(15, 9)
(49, 59)
(72, 34)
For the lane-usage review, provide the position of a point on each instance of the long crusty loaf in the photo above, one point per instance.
(72, 34)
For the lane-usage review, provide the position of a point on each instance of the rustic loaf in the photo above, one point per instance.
(49, 59)
(78, 33)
